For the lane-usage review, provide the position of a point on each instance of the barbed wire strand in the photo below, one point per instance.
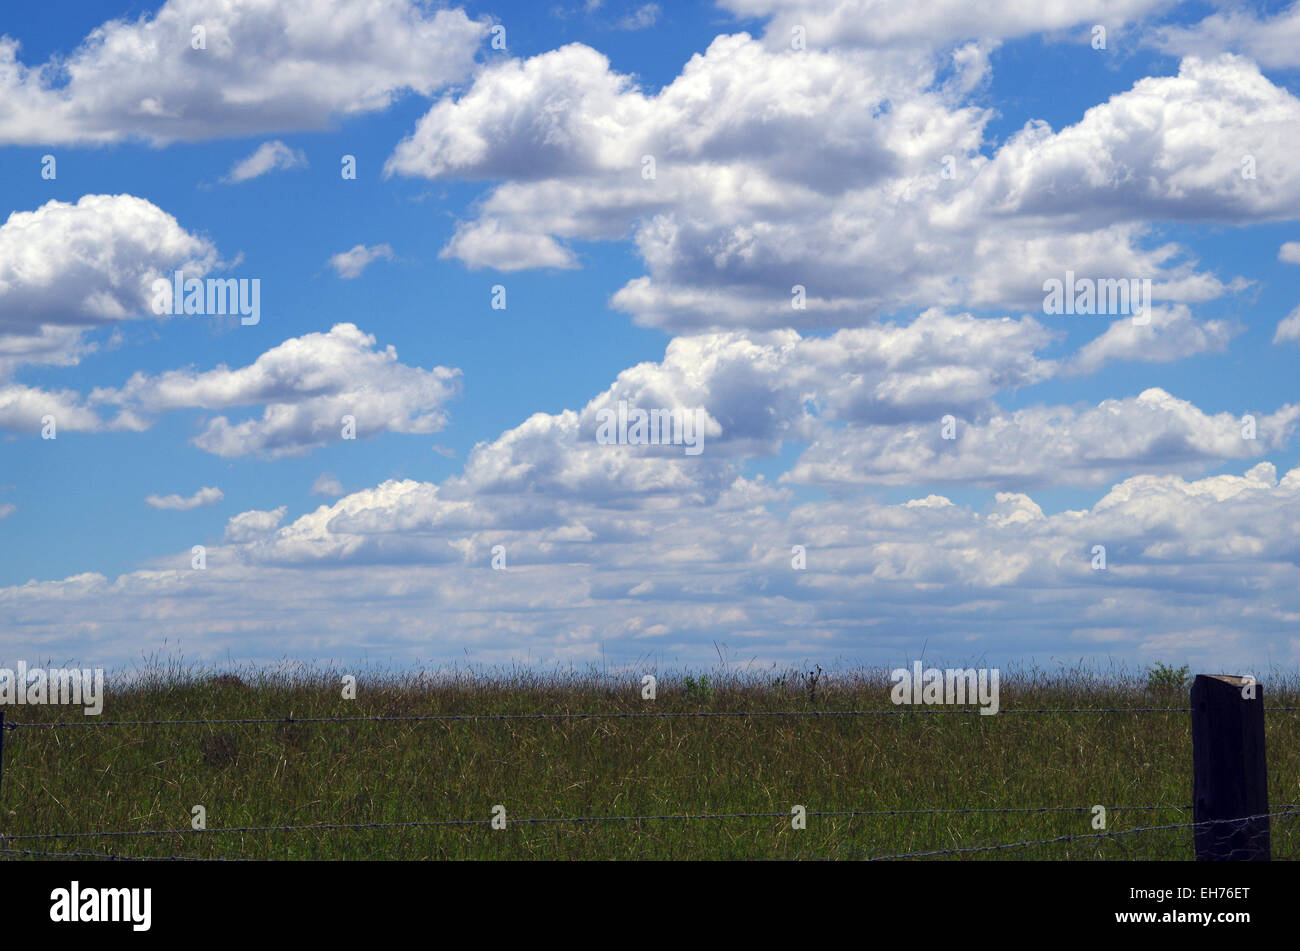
(768, 815)
(1081, 836)
(112, 857)
(700, 714)
(418, 823)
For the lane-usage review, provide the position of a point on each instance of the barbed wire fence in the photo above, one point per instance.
(1249, 823)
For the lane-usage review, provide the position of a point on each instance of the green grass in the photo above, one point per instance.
(73, 779)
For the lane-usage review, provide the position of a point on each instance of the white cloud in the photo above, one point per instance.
(66, 268)
(1170, 334)
(1043, 446)
(870, 403)
(486, 244)
(1272, 41)
(758, 391)
(886, 23)
(739, 210)
(351, 263)
(204, 497)
(1218, 554)
(268, 157)
(1169, 148)
(327, 485)
(1288, 329)
(7, 509)
(295, 64)
(22, 409)
(307, 385)
(641, 18)
(528, 120)
(252, 525)
(1289, 252)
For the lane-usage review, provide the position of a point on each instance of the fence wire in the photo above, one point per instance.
(546, 820)
(112, 857)
(418, 823)
(1082, 836)
(684, 714)
(1288, 810)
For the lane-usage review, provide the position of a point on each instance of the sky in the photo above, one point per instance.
(826, 231)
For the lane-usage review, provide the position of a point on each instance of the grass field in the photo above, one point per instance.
(131, 778)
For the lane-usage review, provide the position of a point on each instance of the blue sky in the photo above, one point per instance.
(776, 165)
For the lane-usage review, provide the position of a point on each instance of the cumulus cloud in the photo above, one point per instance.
(1272, 41)
(1044, 445)
(269, 157)
(754, 392)
(564, 115)
(885, 23)
(1170, 148)
(486, 244)
(307, 385)
(1288, 330)
(24, 409)
(1289, 252)
(328, 485)
(897, 208)
(267, 67)
(870, 404)
(757, 384)
(66, 268)
(204, 497)
(252, 525)
(1218, 554)
(1171, 333)
(351, 263)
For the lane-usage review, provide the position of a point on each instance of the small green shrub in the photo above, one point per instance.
(1166, 677)
(698, 689)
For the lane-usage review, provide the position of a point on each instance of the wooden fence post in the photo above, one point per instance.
(1229, 776)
